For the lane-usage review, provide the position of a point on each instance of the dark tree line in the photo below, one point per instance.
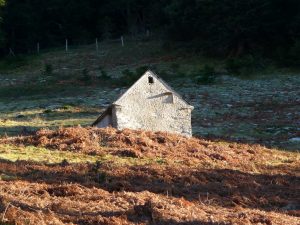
(217, 27)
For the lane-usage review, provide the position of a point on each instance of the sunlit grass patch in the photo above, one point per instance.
(15, 127)
(37, 154)
(283, 158)
(44, 155)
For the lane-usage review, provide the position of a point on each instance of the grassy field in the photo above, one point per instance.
(79, 175)
(64, 89)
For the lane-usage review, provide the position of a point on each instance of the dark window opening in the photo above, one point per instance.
(150, 80)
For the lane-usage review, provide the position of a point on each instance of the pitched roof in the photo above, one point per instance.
(147, 73)
(150, 73)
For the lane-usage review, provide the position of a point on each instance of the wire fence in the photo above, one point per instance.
(94, 54)
(99, 46)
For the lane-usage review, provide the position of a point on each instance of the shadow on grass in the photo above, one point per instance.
(224, 187)
(40, 89)
(279, 143)
(48, 120)
(56, 115)
(18, 130)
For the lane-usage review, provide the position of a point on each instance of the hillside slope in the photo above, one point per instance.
(55, 88)
(146, 178)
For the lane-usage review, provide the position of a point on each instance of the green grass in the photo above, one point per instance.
(30, 99)
(19, 62)
(37, 89)
(43, 155)
(14, 120)
(37, 154)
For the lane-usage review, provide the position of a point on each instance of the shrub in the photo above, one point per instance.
(85, 77)
(48, 69)
(295, 49)
(125, 79)
(245, 65)
(233, 66)
(289, 56)
(207, 75)
(12, 62)
(167, 45)
(128, 77)
(104, 74)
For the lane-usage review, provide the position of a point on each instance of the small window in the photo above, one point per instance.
(150, 80)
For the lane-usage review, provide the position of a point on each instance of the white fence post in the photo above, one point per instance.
(67, 47)
(122, 41)
(38, 48)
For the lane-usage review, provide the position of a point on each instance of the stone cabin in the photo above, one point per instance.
(149, 104)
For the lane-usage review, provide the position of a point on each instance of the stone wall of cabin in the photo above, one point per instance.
(151, 106)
